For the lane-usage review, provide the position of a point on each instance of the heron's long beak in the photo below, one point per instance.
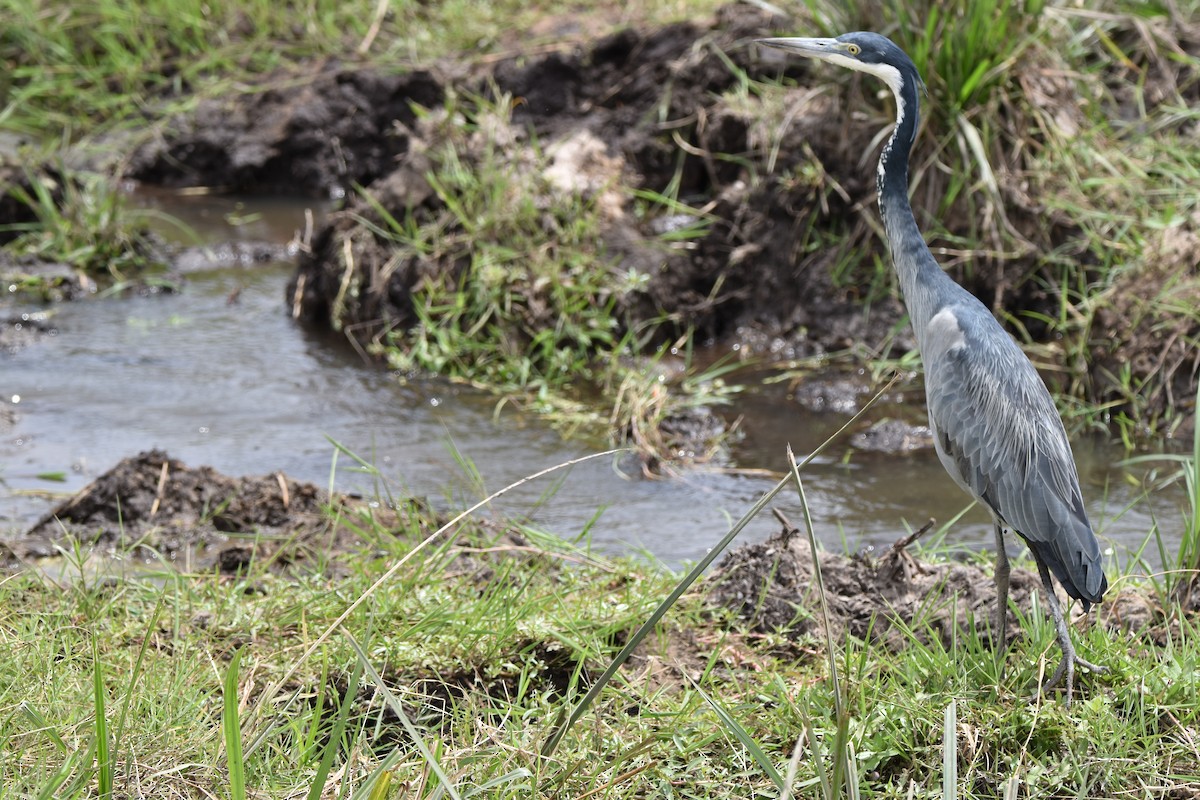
(818, 47)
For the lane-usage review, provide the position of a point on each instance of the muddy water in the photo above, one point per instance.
(220, 375)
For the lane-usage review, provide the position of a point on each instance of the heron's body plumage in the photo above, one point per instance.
(995, 426)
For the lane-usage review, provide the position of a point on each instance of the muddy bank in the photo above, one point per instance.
(632, 111)
(613, 113)
(750, 186)
(770, 586)
(317, 133)
(154, 507)
(883, 596)
(660, 111)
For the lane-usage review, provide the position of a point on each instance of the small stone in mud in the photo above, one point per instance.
(893, 436)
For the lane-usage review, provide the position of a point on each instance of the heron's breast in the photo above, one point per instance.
(943, 334)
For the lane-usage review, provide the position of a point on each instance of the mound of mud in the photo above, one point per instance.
(614, 114)
(313, 134)
(154, 506)
(770, 586)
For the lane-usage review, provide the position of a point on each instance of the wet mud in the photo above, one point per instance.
(894, 596)
(770, 586)
(156, 508)
(315, 133)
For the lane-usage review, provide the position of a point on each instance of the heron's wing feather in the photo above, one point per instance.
(1001, 438)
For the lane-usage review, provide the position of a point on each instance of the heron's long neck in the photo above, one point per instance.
(920, 276)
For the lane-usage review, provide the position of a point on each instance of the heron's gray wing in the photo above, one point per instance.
(1001, 438)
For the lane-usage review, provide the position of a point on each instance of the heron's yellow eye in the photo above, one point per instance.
(853, 49)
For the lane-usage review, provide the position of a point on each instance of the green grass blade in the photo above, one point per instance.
(500, 780)
(232, 729)
(138, 666)
(50, 790)
(317, 786)
(42, 724)
(103, 758)
(381, 786)
(950, 752)
(394, 704)
(827, 624)
(375, 787)
(740, 733)
(818, 758)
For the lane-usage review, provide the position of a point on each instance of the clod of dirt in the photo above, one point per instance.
(315, 134)
(154, 505)
(770, 586)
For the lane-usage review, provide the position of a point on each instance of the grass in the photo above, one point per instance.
(449, 667)
(79, 219)
(1106, 158)
(71, 69)
(454, 668)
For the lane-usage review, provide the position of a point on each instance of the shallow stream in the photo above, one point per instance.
(219, 374)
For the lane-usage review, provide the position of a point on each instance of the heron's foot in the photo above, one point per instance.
(1066, 667)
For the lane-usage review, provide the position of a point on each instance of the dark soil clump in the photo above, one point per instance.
(636, 94)
(770, 586)
(315, 134)
(156, 507)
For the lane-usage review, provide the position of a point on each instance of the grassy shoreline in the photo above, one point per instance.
(485, 639)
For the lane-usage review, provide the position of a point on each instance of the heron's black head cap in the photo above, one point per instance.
(874, 48)
(863, 51)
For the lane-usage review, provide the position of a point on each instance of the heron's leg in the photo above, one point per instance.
(1000, 643)
(1069, 660)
